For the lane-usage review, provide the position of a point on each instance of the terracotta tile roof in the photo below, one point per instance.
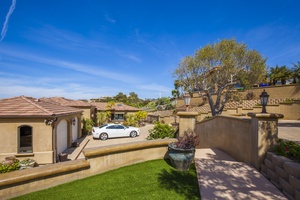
(31, 107)
(201, 109)
(67, 102)
(163, 113)
(102, 106)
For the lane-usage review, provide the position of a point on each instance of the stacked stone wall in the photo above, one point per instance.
(284, 173)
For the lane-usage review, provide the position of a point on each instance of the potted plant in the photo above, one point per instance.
(182, 152)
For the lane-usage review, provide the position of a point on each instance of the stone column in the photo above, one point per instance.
(187, 121)
(264, 130)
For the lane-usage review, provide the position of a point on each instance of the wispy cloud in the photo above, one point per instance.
(155, 87)
(5, 25)
(16, 85)
(79, 67)
(130, 56)
(110, 19)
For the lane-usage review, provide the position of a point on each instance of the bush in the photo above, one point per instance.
(188, 140)
(130, 120)
(250, 95)
(161, 130)
(87, 126)
(288, 149)
(9, 165)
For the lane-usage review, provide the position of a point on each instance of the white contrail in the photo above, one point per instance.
(5, 25)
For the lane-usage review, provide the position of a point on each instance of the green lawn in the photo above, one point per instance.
(149, 180)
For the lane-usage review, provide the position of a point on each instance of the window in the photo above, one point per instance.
(25, 139)
(119, 127)
(118, 117)
(111, 127)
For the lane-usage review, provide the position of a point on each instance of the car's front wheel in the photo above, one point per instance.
(103, 136)
(133, 134)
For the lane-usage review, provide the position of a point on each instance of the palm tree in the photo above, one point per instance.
(296, 72)
(279, 73)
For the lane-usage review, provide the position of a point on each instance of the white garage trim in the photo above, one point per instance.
(62, 136)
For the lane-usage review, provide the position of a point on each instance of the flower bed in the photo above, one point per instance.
(12, 164)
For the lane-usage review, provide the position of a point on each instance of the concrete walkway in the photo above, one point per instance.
(221, 177)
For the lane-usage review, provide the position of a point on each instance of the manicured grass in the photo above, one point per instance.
(149, 180)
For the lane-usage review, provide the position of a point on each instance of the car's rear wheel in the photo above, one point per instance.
(133, 134)
(103, 136)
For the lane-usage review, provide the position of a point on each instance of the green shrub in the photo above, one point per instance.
(288, 149)
(8, 166)
(161, 130)
(130, 120)
(87, 126)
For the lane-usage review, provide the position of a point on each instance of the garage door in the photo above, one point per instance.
(74, 129)
(62, 136)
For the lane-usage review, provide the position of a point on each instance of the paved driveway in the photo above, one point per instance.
(97, 142)
(89, 142)
(287, 129)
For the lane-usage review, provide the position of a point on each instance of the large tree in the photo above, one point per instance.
(216, 68)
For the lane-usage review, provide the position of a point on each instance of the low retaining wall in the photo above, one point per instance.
(283, 173)
(98, 160)
(246, 140)
(230, 134)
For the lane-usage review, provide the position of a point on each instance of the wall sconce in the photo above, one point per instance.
(73, 121)
(264, 101)
(49, 122)
(187, 99)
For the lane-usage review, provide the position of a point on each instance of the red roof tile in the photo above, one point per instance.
(67, 102)
(102, 106)
(163, 113)
(31, 107)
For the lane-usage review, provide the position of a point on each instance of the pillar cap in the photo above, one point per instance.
(265, 115)
(187, 113)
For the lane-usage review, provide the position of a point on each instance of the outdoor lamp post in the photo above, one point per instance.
(187, 100)
(264, 101)
(175, 118)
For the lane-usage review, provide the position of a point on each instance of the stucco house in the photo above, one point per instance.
(37, 129)
(89, 110)
(118, 111)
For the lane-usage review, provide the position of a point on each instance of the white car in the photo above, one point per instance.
(114, 130)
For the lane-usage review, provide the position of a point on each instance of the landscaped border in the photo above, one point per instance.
(98, 160)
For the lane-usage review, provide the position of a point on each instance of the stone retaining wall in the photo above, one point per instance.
(284, 173)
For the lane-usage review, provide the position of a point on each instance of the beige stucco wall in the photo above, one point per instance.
(290, 110)
(247, 140)
(277, 92)
(187, 121)
(230, 134)
(88, 112)
(41, 138)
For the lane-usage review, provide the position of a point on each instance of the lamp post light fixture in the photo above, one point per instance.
(264, 101)
(175, 118)
(187, 99)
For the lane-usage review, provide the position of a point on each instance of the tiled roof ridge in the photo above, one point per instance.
(36, 105)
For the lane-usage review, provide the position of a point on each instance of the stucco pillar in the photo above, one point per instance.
(187, 121)
(264, 135)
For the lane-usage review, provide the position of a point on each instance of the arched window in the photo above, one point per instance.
(25, 139)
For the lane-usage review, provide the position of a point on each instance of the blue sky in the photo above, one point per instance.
(92, 48)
